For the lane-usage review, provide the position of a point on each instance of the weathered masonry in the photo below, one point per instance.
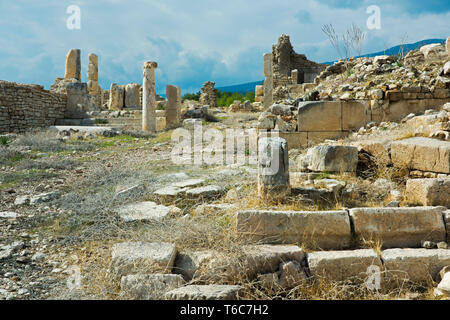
(28, 106)
(285, 67)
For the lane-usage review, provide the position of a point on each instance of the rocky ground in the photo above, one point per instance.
(109, 215)
(69, 199)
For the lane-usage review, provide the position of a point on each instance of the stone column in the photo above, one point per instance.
(92, 84)
(273, 168)
(93, 67)
(115, 97)
(172, 106)
(73, 65)
(268, 82)
(149, 97)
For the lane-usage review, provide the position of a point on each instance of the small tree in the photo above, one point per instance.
(357, 37)
(352, 38)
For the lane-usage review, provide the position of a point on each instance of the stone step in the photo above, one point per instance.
(399, 227)
(205, 292)
(138, 257)
(333, 230)
(421, 153)
(143, 211)
(394, 268)
(323, 229)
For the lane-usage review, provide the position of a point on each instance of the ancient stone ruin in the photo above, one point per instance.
(339, 188)
(286, 68)
(208, 96)
(148, 97)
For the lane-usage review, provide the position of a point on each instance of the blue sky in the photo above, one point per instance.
(194, 41)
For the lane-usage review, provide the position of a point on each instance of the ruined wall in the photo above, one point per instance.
(23, 107)
(209, 94)
(286, 60)
(285, 69)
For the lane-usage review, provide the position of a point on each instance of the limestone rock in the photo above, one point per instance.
(266, 121)
(422, 154)
(444, 284)
(73, 65)
(205, 292)
(260, 259)
(428, 192)
(143, 211)
(281, 110)
(116, 94)
(22, 200)
(209, 94)
(446, 69)
(132, 95)
(351, 265)
(447, 46)
(188, 183)
(44, 197)
(188, 263)
(93, 67)
(205, 192)
(415, 265)
(8, 215)
(291, 275)
(332, 158)
(136, 257)
(160, 123)
(433, 51)
(170, 191)
(129, 192)
(219, 208)
(273, 168)
(149, 286)
(399, 227)
(323, 229)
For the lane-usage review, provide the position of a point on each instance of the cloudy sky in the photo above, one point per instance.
(194, 41)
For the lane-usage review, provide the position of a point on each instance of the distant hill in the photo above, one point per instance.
(241, 88)
(396, 50)
(250, 86)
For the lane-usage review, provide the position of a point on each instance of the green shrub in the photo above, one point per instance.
(224, 99)
(101, 121)
(4, 140)
(192, 96)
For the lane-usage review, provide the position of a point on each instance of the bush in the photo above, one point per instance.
(4, 141)
(192, 96)
(224, 99)
(9, 156)
(48, 141)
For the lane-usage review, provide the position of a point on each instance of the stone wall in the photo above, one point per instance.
(27, 106)
(286, 68)
(321, 120)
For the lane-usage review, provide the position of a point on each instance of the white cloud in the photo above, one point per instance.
(192, 41)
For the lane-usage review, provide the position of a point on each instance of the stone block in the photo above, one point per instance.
(322, 229)
(349, 265)
(320, 116)
(137, 257)
(428, 192)
(399, 227)
(421, 153)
